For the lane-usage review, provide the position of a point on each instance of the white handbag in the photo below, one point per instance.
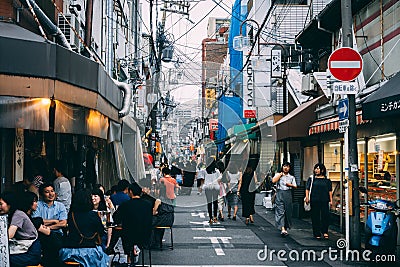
(307, 206)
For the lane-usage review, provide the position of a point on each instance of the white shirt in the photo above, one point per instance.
(211, 180)
(233, 179)
(63, 189)
(286, 179)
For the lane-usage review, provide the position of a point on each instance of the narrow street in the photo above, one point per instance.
(232, 243)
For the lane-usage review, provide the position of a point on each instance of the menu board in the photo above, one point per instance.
(4, 253)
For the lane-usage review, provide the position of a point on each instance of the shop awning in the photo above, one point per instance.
(385, 101)
(79, 120)
(25, 113)
(295, 124)
(332, 124)
(239, 147)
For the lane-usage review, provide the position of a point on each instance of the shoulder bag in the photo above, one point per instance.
(307, 206)
(96, 237)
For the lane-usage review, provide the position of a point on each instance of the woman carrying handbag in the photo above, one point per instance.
(320, 200)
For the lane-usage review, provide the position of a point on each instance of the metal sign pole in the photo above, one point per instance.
(355, 240)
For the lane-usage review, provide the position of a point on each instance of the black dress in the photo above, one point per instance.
(248, 198)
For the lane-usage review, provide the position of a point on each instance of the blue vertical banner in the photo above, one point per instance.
(230, 108)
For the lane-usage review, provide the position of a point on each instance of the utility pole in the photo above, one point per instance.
(156, 81)
(355, 240)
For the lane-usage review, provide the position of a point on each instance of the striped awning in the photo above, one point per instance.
(332, 124)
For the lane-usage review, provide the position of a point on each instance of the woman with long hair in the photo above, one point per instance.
(23, 242)
(211, 188)
(320, 199)
(83, 243)
(247, 196)
(100, 205)
(233, 175)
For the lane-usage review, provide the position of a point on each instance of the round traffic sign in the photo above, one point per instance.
(345, 64)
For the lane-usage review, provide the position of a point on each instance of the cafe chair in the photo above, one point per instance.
(171, 246)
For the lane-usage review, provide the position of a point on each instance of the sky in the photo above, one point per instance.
(188, 33)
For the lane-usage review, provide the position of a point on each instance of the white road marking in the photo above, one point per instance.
(204, 223)
(198, 214)
(216, 244)
(209, 229)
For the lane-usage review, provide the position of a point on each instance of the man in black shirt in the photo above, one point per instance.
(135, 216)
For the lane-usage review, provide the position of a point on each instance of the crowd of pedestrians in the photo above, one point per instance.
(46, 219)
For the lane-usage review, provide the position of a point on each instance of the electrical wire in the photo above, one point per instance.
(205, 16)
(367, 46)
(252, 48)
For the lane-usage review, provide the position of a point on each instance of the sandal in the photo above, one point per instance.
(326, 236)
(251, 219)
(247, 221)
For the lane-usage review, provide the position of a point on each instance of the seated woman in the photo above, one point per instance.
(99, 204)
(24, 245)
(83, 243)
(48, 239)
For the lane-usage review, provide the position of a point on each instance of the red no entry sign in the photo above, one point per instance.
(345, 64)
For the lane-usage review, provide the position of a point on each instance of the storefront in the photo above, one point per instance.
(377, 157)
(58, 105)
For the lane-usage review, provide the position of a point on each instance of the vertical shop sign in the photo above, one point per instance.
(249, 109)
(262, 81)
(276, 64)
(141, 96)
(380, 160)
(4, 253)
(19, 155)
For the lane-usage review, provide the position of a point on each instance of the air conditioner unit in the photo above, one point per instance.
(68, 31)
(308, 85)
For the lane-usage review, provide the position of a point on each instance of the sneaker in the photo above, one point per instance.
(284, 233)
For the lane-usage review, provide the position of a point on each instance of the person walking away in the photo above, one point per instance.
(189, 173)
(62, 186)
(222, 190)
(170, 185)
(211, 189)
(83, 242)
(320, 200)
(233, 176)
(283, 202)
(201, 173)
(248, 197)
(136, 217)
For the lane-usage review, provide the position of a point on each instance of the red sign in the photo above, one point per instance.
(213, 125)
(345, 64)
(249, 113)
